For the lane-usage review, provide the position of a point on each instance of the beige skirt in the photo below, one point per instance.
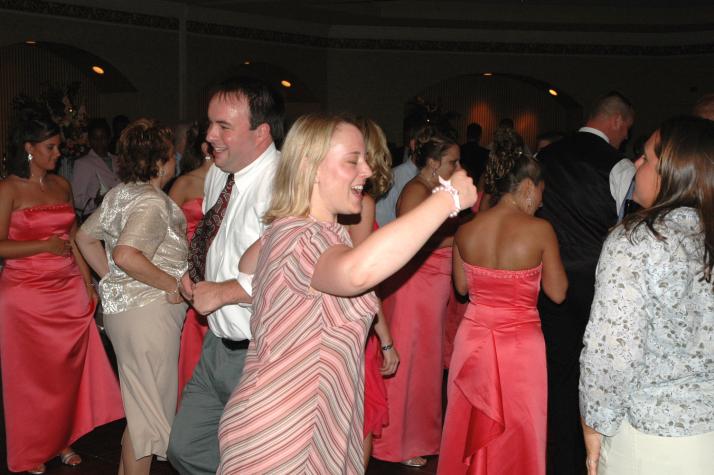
(631, 452)
(146, 342)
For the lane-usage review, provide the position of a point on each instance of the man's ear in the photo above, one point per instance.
(263, 131)
(618, 121)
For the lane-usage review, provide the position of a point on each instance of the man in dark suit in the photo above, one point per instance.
(473, 155)
(578, 202)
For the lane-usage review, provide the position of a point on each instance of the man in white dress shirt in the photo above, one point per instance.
(245, 118)
(95, 173)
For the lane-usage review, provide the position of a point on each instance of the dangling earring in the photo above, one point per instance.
(29, 157)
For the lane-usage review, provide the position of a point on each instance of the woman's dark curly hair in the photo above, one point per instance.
(430, 144)
(508, 165)
(686, 168)
(193, 155)
(31, 128)
(143, 145)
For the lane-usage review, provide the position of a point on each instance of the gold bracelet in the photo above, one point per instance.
(177, 289)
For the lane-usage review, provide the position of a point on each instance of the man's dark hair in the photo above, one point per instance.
(99, 124)
(473, 132)
(265, 103)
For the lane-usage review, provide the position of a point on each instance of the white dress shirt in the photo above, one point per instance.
(240, 228)
(92, 176)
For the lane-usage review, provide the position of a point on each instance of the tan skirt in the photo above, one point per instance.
(146, 342)
(631, 452)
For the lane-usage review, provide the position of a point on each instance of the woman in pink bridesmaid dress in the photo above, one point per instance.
(497, 392)
(187, 192)
(415, 304)
(57, 381)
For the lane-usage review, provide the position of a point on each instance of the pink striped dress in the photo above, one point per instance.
(299, 405)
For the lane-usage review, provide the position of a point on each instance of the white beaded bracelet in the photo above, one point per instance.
(448, 187)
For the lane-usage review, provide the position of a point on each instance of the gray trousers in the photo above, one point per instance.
(193, 444)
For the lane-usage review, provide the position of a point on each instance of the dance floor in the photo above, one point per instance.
(100, 450)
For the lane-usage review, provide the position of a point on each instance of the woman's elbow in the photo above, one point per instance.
(122, 256)
(557, 293)
(462, 288)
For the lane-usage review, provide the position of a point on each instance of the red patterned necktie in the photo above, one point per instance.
(206, 231)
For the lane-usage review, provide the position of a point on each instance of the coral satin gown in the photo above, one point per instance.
(195, 326)
(416, 312)
(57, 381)
(497, 390)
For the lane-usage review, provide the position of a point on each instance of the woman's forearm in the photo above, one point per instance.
(11, 249)
(138, 267)
(93, 253)
(381, 328)
(346, 272)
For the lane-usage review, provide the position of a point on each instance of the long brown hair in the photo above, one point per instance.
(686, 169)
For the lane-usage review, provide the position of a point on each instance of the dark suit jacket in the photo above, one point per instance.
(473, 159)
(578, 203)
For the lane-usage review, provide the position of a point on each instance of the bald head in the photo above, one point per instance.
(613, 115)
(613, 103)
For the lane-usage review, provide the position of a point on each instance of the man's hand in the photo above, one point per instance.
(210, 296)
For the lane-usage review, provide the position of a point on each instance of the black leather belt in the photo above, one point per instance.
(235, 345)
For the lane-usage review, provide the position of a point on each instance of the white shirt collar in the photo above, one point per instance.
(597, 132)
(256, 165)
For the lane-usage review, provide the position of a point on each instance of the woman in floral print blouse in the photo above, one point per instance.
(647, 369)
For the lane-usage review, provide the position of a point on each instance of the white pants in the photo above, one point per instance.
(631, 452)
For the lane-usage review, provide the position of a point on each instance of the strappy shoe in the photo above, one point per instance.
(70, 458)
(39, 470)
(416, 462)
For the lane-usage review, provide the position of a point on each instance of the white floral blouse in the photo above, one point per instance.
(649, 345)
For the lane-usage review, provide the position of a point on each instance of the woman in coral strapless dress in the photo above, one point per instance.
(415, 304)
(497, 390)
(187, 192)
(57, 381)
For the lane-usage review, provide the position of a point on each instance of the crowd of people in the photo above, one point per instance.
(287, 311)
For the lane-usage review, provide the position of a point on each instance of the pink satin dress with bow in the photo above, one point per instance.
(497, 389)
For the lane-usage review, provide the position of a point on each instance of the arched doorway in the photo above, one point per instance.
(488, 97)
(36, 69)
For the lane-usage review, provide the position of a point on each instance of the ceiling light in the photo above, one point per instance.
(552, 92)
(98, 70)
(285, 83)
